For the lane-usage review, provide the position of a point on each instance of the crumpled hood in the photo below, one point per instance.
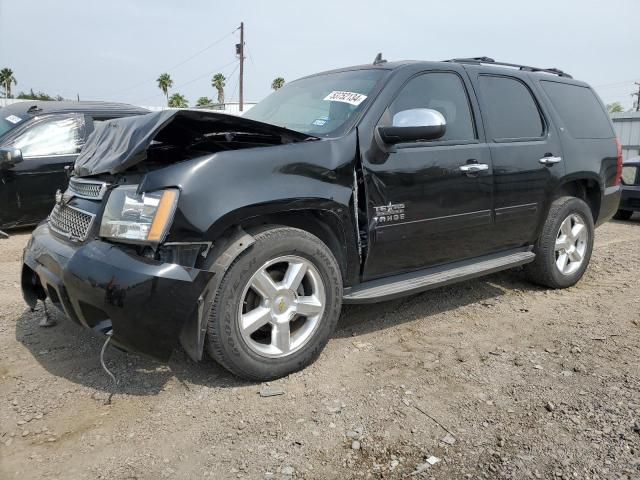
(116, 145)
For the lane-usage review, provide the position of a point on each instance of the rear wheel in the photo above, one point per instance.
(276, 306)
(564, 247)
(623, 214)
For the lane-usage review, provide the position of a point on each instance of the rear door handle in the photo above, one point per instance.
(471, 168)
(550, 160)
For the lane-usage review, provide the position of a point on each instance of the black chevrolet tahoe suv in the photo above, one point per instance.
(245, 235)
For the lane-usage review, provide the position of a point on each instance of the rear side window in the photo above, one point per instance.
(510, 110)
(579, 109)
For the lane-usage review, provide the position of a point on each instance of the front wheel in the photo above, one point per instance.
(276, 306)
(564, 247)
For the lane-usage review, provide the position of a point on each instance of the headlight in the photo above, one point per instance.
(138, 218)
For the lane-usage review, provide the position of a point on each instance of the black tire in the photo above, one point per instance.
(623, 214)
(225, 342)
(543, 269)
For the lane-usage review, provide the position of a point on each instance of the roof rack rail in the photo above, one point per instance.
(525, 68)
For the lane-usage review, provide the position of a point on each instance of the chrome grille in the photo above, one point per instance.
(70, 222)
(87, 188)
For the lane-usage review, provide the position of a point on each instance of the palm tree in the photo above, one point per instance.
(615, 107)
(164, 84)
(217, 82)
(277, 83)
(178, 101)
(204, 102)
(6, 79)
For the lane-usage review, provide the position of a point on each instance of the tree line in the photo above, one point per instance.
(165, 82)
(177, 100)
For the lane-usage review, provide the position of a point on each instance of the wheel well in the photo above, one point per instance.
(322, 224)
(587, 190)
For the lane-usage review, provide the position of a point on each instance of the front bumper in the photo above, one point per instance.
(145, 303)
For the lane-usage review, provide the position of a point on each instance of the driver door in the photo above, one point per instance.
(47, 146)
(425, 205)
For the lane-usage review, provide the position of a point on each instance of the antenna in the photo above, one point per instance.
(379, 60)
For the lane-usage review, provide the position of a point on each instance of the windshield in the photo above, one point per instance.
(319, 105)
(8, 122)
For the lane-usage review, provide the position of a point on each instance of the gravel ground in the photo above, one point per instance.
(493, 378)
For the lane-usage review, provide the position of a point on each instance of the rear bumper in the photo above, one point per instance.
(630, 199)
(144, 302)
(609, 204)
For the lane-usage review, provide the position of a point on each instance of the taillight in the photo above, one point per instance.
(619, 166)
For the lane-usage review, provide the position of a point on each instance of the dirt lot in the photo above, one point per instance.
(495, 377)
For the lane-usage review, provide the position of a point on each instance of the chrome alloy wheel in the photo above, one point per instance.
(281, 307)
(571, 244)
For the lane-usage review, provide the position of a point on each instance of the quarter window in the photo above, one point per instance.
(510, 110)
(61, 136)
(579, 109)
(439, 91)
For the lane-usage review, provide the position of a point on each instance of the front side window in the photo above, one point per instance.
(321, 105)
(60, 136)
(510, 110)
(441, 91)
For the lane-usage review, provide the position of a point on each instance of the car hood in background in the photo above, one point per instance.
(116, 145)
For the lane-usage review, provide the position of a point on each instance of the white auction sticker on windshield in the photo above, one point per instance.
(346, 97)
(12, 119)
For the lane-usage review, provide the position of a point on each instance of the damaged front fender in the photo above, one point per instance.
(222, 255)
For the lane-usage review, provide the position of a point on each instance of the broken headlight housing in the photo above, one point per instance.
(135, 217)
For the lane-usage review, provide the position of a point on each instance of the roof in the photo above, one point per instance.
(478, 61)
(41, 107)
(625, 116)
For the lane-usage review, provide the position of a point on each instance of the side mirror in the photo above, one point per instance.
(9, 157)
(412, 125)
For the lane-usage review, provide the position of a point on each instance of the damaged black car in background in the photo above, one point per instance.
(244, 235)
(38, 141)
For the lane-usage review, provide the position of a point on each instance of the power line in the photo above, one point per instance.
(188, 82)
(201, 51)
(237, 81)
(179, 64)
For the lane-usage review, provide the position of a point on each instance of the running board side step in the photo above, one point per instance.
(408, 283)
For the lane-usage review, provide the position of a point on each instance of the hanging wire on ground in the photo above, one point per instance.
(104, 366)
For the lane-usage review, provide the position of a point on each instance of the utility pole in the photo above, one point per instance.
(637, 95)
(241, 50)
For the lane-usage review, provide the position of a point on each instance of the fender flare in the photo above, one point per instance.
(220, 258)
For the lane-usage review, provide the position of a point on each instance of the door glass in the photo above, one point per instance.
(61, 136)
(439, 91)
(511, 111)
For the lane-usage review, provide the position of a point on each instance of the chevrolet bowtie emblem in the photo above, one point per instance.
(282, 305)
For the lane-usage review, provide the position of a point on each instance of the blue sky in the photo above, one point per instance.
(115, 49)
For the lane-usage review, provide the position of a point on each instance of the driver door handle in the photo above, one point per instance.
(550, 160)
(472, 168)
